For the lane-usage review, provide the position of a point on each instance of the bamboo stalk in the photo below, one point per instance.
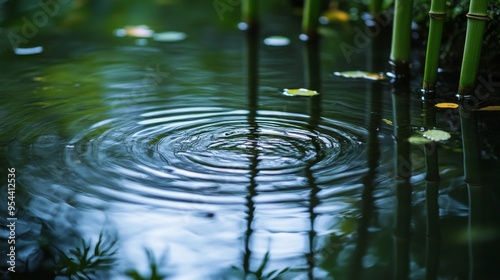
(401, 38)
(375, 6)
(437, 15)
(250, 11)
(476, 19)
(310, 18)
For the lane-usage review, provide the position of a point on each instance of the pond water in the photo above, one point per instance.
(188, 151)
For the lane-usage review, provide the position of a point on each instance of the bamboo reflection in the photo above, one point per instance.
(313, 82)
(252, 70)
(470, 144)
(373, 155)
(402, 130)
(374, 99)
(432, 178)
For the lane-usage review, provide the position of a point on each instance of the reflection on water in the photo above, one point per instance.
(189, 157)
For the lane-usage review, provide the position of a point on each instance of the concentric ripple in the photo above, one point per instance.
(186, 151)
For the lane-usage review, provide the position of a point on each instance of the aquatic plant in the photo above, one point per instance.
(437, 14)
(84, 263)
(259, 273)
(476, 20)
(153, 265)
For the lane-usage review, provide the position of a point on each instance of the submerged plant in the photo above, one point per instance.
(84, 262)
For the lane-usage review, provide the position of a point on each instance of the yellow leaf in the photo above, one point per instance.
(389, 122)
(490, 108)
(336, 15)
(446, 105)
(300, 92)
(141, 31)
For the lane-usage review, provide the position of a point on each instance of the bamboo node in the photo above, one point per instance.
(437, 16)
(478, 16)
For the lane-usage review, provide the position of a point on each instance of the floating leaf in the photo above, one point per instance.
(490, 108)
(335, 15)
(277, 41)
(418, 140)
(39, 79)
(389, 122)
(446, 105)
(169, 36)
(360, 75)
(300, 92)
(437, 135)
(141, 31)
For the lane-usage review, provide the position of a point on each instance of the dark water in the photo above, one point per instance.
(189, 150)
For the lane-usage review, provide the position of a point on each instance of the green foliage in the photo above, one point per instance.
(455, 26)
(259, 274)
(153, 265)
(275, 274)
(84, 262)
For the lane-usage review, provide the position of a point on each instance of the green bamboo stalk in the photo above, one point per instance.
(437, 15)
(250, 11)
(476, 20)
(375, 6)
(310, 18)
(401, 38)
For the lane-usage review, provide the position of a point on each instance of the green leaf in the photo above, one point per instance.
(437, 135)
(263, 265)
(300, 92)
(418, 140)
(360, 75)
